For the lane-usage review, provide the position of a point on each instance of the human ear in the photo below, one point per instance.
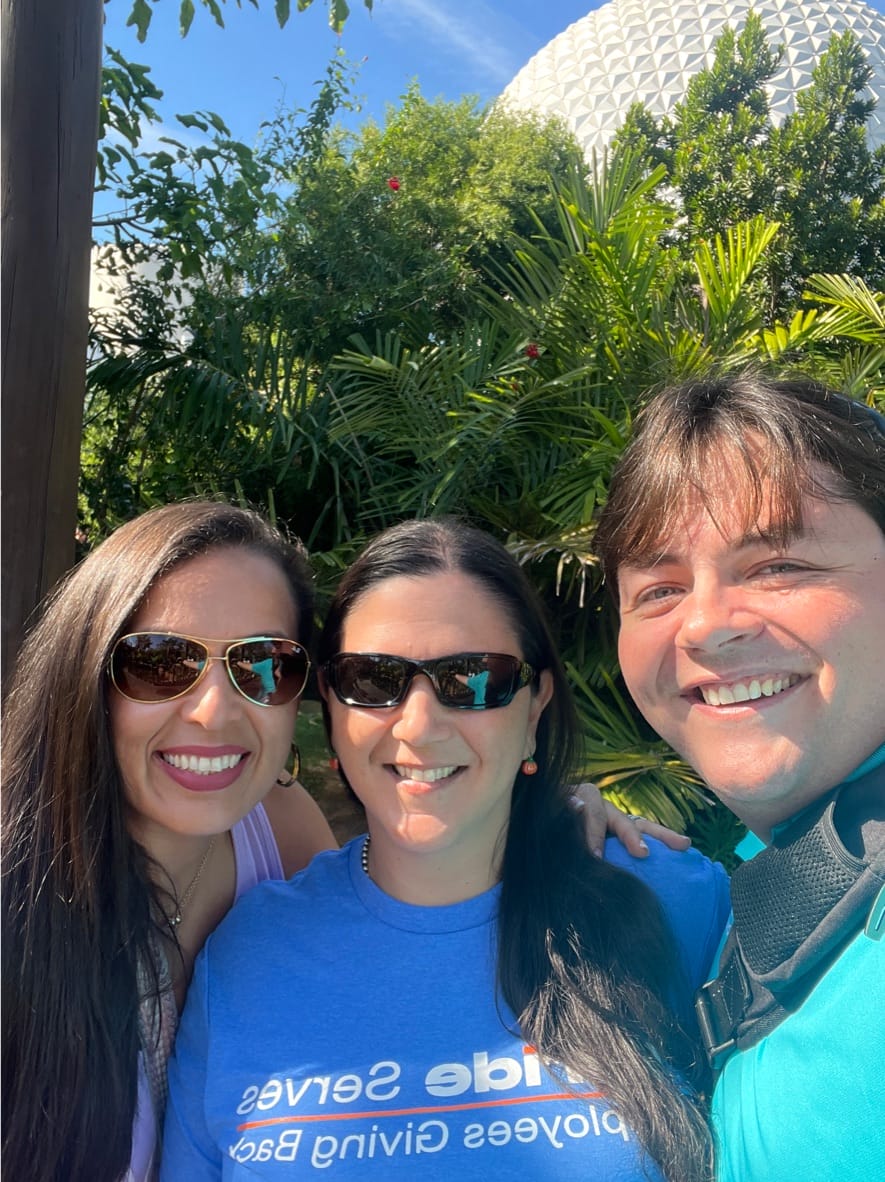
(541, 697)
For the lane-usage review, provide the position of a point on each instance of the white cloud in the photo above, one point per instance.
(153, 133)
(472, 33)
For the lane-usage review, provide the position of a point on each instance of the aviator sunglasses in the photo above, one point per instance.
(162, 666)
(465, 681)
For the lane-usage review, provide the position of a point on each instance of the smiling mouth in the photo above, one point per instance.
(424, 775)
(746, 691)
(202, 765)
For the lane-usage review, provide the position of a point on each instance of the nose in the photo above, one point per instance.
(421, 718)
(714, 615)
(213, 702)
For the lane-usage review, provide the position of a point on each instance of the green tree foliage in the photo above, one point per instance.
(832, 202)
(335, 234)
(722, 179)
(814, 175)
(447, 314)
(285, 251)
(143, 10)
(395, 228)
(515, 422)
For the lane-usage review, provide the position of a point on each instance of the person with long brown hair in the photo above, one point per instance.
(146, 737)
(466, 992)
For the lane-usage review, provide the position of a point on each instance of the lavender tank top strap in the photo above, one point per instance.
(257, 858)
(255, 850)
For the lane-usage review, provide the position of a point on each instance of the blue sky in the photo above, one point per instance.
(245, 70)
(242, 72)
(453, 47)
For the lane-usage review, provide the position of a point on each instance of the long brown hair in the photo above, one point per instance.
(77, 893)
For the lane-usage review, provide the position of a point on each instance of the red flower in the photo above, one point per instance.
(393, 183)
(532, 351)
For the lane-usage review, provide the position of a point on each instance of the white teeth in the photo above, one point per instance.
(424, 775)
(202, 764)
(743, 691)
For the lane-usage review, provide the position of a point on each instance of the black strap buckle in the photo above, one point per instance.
(721, 1005)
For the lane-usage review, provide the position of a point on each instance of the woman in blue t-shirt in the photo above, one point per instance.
(467, 991)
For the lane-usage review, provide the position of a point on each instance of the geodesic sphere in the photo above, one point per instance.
(646, 50)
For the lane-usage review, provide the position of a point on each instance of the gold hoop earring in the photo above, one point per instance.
(286, 778)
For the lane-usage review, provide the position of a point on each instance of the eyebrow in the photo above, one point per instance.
(747, 540)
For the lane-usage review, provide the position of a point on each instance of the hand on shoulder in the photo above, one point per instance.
(602, 819)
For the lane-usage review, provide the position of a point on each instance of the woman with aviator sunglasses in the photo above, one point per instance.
(145, 788)
(465, 991)
(146, 737)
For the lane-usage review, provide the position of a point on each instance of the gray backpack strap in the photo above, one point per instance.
(796, 906)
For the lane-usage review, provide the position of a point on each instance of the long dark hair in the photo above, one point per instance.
(78, 898)
(585, 958)
(791, 437)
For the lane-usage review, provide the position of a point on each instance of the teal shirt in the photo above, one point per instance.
(807, 1103)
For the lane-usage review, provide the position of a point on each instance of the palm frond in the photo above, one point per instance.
(723, 271)
(640, 775)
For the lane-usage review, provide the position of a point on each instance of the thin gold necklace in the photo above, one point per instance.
(180, 904)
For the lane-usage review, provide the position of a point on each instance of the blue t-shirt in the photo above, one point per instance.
(807, 1101)
(333, 1031)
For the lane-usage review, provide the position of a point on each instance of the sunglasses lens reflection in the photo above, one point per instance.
(369, 680)
(466, 681)
(155, 667)
(270, 672)
(150, 667)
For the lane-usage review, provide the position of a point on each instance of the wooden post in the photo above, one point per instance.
(51, 63)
